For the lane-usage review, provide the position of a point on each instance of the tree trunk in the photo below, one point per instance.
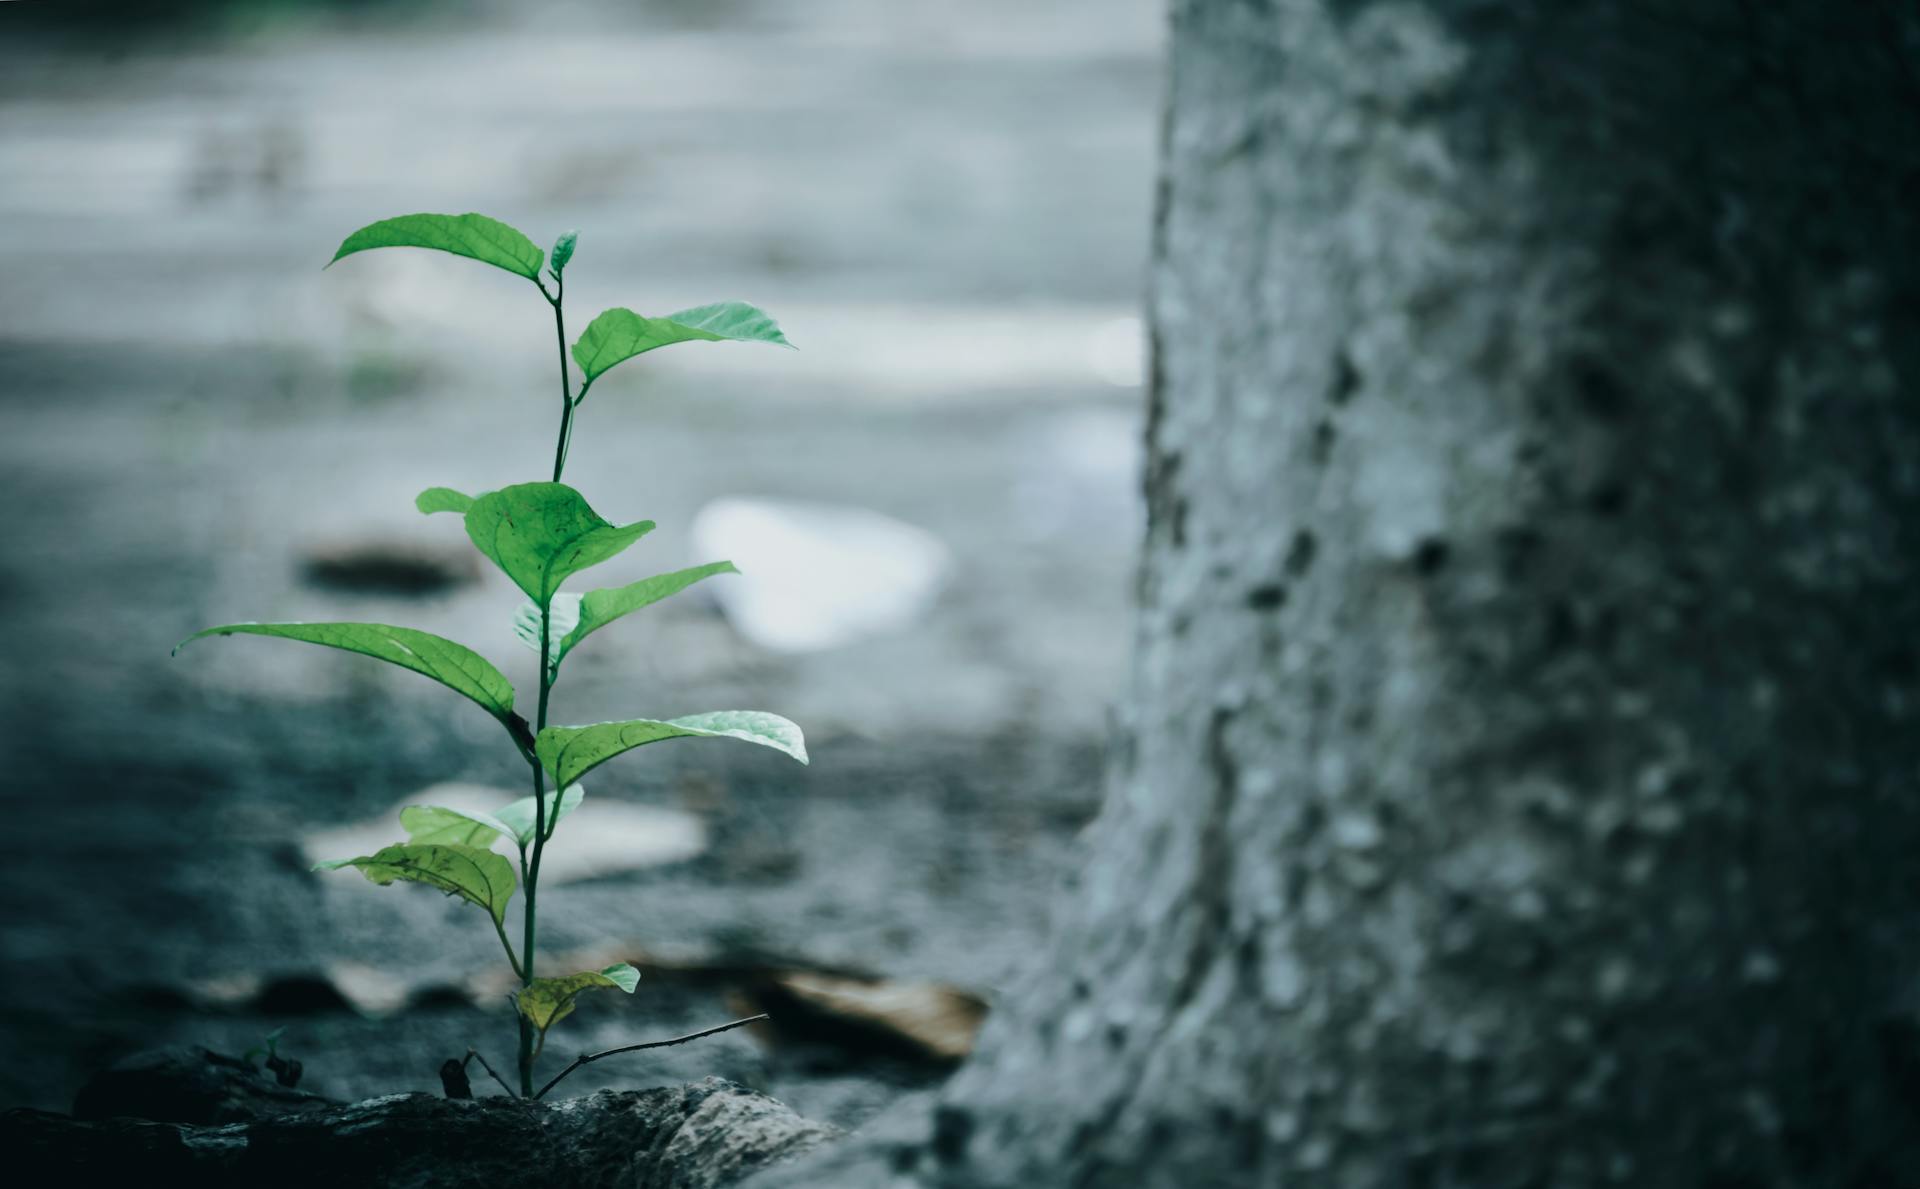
(1517, 783)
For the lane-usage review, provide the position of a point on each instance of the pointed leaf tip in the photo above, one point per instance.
(563, 251)
(624, 976)
(442, 499)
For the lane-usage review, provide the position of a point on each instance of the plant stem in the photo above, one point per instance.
(566, 396)
(527, 1048)
(530, 877)
(590, 1058)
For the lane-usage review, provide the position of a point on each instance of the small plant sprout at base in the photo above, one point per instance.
(540, 534)
(285, 1070)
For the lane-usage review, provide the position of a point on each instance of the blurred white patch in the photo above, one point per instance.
(602, 837)
(816, 576)
(1077, 464)
(920, 350)
(1099, 446)
(371, 990)
(1117, 352)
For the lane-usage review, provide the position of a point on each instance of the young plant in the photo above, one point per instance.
(540, 534)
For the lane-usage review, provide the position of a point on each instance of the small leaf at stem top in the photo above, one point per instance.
(619, 334)
(474, 236)
(542, 533)
(571, 752)
(442, 499)
(562, 252)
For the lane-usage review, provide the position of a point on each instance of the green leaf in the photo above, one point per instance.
(486, 240)
(442, 499)
(547, 1001)
(571, 752)
(268, 1049)
(575, 617)
(518, 816)
(619, 334)
(565, 610)
(455, 666)
(562, 252)
(542, 533)
(437, 824)
(475, 875)
(440, 825)
(601, 607)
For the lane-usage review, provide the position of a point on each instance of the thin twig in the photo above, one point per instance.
(590, 1058)
(473, 1053)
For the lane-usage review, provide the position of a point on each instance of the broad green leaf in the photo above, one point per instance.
(473, 874)
(455, 666)
(437, 824)
(601, 607)
(518, 816)
(442, 499)
(541, 533)
(571, 752)
(547, 1001)
(563, 251)
(565, 610)
(486, 240)
(619, 334)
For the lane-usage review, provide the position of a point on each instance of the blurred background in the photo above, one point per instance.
(934, 502)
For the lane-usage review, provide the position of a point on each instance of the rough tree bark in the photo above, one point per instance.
(1517, 787)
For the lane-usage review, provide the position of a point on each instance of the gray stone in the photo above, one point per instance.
(700, 1136)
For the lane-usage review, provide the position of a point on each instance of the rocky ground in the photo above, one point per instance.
(187, 1116)
(948, 212)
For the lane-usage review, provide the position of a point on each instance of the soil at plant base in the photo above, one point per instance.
(201, 427)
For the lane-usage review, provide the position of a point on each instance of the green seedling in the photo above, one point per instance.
(269, 1045)
(540, 534)
(285, 1070)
